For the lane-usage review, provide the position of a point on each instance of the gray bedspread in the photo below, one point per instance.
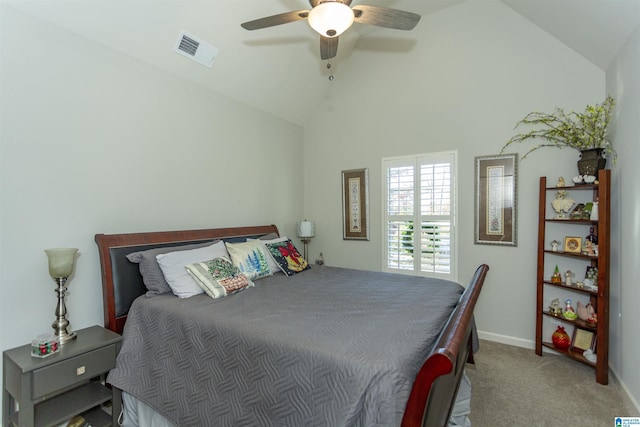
(326, 347)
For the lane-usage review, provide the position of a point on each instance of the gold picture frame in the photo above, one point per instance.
(573, 245)
(582, 340)
(496, 210)
(355, 204)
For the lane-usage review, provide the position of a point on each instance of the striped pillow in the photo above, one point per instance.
(218, 277)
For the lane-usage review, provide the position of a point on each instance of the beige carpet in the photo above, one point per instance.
(512, 386)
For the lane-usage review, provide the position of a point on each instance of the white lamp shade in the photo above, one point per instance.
(61, 261)
(306, 229)
(331, 19)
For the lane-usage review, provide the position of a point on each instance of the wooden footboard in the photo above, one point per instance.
(434, 392)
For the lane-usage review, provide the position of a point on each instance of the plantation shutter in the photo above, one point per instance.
(419, 194)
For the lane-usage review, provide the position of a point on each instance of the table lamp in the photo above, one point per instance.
(61, 263)
(305, 232)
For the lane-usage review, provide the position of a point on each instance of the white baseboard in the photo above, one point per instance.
(530, 344)
(625, 390)
(505, 339)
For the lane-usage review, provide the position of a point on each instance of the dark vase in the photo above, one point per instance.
(591, 161)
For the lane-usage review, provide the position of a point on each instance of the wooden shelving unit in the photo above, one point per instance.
(599, 298)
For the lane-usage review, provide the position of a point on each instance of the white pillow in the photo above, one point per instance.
(174, 267)
(273, 265)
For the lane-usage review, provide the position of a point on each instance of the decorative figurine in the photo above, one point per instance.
(562, 204)
(591, 278)
(577, 212)
(560, 182)
(561, 339)
(556, 279)
(554, 245)
(569, 312)
(555, 308)
(568, 275)
(587, 313)
(594, 212)
(587, 210)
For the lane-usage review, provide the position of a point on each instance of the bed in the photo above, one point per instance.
(326, 346)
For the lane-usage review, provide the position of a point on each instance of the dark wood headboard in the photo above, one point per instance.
(121, 279)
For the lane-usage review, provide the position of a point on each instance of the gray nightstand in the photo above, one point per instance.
(52, 390)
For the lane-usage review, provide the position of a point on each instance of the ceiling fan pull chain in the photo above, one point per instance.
(330, 71)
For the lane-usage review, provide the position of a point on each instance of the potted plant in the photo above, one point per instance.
(585, 132)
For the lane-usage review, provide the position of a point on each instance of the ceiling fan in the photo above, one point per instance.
(330, 18)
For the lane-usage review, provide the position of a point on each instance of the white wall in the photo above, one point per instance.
(624, 86)
(93, 141)
(476, 70)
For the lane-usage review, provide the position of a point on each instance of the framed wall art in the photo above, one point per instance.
(572, 244)
(496, 179)
(583, 340)
(355, 204)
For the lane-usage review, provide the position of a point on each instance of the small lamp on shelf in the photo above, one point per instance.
(61, 263)
(306, 230)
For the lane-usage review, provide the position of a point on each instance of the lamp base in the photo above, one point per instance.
(305, 241)
(61, 324)
(63, 334)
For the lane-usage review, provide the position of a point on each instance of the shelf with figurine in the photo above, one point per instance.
(589, 284)
(584, 182)
(571, 254)
(584, 317)
(583, 343)
(577, 247)
(572, 353)
(574, 237)
(566, 209)
(577, 286)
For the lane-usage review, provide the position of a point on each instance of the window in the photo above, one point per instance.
(420, 193)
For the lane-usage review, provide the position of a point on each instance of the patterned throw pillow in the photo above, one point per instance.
(287, 257)
(218, 277)
(273, 265)
(250, 259)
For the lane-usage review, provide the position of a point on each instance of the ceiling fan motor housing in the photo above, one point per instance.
(331, 18)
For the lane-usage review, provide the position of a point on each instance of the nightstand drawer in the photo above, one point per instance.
(73, 370)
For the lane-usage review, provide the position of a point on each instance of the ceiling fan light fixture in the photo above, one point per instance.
(330, 19)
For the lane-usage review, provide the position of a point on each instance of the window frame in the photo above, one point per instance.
(416, 161)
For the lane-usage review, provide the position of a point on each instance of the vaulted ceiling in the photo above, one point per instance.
(279, 69)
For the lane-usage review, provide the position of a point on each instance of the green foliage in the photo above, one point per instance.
(432, 245)
(580, 131)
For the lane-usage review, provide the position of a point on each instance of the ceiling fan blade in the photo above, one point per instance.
(328, 47)
(385, 17)
(272, 21)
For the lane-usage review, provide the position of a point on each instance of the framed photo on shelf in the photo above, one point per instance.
(583, 340)
(355, 204)
(496, 184)
(573, 245)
